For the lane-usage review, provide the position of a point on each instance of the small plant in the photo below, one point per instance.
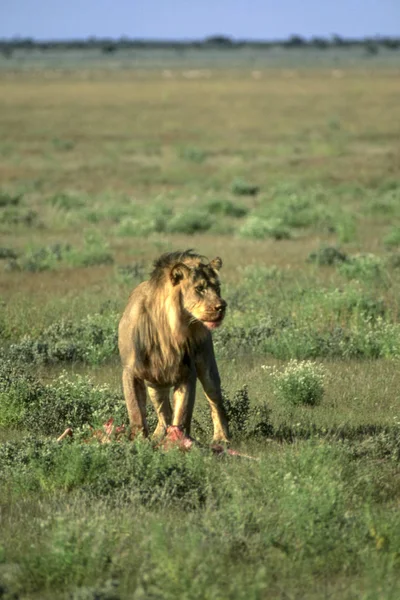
(7, 199)
(226, 208)
(300, 383)
(241, 187)
(392, 238)
(66, 201)
(195, 221)
(39, 259)
(327, 255)
(258, 275)
(14, 216)
(7, 253)
(193, 154)
(131, 273)
(246, 420)
(94, 252)
(91, 340)
(365, 267)
(259, 229)
(60, 144)
(345, 228)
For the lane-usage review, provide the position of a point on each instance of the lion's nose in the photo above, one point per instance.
(221, 305)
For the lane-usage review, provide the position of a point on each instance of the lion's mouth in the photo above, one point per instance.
(213, 323)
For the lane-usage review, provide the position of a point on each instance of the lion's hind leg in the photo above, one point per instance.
(135, 398)
(160, 399)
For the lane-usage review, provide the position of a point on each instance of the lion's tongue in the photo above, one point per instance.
(212, 324)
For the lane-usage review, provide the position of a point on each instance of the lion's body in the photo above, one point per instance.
(165, 341)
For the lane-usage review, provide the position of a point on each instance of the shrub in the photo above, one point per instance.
(365, 267)
(7, 199)
(94, 252)
(259, 275)
(240, 187)
(60, 144)
(39, 259)
(297, 210)
(345, 228)
(300, 383)
(259, 228)
(7, 253)
(48, 409)
(386, 204)
(131, 273)
(393, 237)
(190, 222)
(327, 255)
(66, 201)
(19, 389)
(246, 421)
(226, 208)
(193, 154)
(133, 469)
(73, 403)
(91, 340)
(15, 216)
(149, 220)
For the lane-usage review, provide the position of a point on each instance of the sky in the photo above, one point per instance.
(196, 19)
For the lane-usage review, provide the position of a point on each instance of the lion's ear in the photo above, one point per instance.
(216, 263)
(179, 272)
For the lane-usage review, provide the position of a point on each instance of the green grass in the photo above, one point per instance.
(297, 189)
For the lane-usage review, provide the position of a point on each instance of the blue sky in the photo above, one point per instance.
(180, 19)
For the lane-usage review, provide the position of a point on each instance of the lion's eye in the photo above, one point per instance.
(200, 289)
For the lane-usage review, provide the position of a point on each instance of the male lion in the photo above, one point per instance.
(165, 341)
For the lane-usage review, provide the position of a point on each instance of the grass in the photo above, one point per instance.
(296, 187)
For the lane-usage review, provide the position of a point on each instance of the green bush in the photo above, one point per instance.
(8, 199)
(7, 253)
(364, 337)
(153, 219)
(344, 225)
(189, 222)
(67, 201)
(364, 267)
(48, 409)
(95, 251)
(246, 420)
(130, 274)
(241, 187)
(259, 228)
(259, 275)
(15, 216)
(226, 208)
(300, 383)
(39, 259)
(92, 340)
(392, 238)
(134, 469)
(327, 255)
(193, 154)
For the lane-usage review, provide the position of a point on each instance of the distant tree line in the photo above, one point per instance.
(109, 45)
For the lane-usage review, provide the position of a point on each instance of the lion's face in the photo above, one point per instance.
(201, 292)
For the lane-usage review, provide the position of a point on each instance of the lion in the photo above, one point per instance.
(165, 342)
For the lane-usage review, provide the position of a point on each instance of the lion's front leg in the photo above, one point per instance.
(135, 398)
(162, 405)
(207, 372)
(184, 397)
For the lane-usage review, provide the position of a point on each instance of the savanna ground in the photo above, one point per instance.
(292, 176)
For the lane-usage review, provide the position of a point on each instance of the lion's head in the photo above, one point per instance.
(197, 282)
